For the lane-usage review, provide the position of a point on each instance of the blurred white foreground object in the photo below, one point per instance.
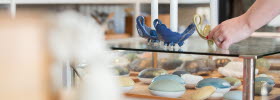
(81, 37)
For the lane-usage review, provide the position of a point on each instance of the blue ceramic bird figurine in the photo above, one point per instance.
(145, 31)
(172, 38)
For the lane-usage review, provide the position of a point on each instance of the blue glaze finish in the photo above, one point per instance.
(233, 95)
(169, 77)
(216, 82)
(145, 31)
(180, 73)
(172, 38)
(266, 79)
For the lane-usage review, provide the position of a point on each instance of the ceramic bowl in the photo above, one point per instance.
(148, 74)
(171, 38)
(234, 82)
(169, 77)
(222, 86)
(180, 73)
(263, 65)
(233, 95)
(191, 80)
(167, 88)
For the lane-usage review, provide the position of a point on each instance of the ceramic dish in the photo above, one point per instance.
(167, 94)
(222, 86)
(191, 80)
(127, 88)
(148, 74)
(234, 82)
(233, 95)
(146, 80)
(167, 88)
(169, 77)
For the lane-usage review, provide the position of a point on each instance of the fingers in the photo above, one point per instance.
(211, 34)
(217, 37)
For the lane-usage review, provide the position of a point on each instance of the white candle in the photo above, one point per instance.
(174, 15)
(154, 11)
(13, 8)
(214, 11)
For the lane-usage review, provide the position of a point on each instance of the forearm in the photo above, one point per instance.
(261, 12)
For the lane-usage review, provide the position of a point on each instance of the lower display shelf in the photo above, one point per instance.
(141, 91)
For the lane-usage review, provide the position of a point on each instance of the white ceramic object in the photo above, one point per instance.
(167, 94)
(127, 88)
(146, 80)
(219, 93)
(233, 69)
(191, 80)
(235, 87)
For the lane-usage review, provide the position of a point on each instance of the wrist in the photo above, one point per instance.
(247, 23)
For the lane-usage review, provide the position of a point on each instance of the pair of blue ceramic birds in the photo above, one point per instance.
(162, 33)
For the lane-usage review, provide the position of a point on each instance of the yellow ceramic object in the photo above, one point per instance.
(203, 93)
(202, 32)
(126, 81)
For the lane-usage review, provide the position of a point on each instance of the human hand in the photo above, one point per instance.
(230, 31)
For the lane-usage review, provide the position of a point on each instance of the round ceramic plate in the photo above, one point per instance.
(127, 88)
(167, 94)
(146, 80)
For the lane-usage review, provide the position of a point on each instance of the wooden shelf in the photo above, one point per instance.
(141, 91)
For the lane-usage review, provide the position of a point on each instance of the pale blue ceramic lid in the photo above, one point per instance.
(169, 77)
(167, 86)
(268, 80)
(216, 82)
(233, 95)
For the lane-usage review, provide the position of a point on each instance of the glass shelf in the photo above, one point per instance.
(253, 46)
